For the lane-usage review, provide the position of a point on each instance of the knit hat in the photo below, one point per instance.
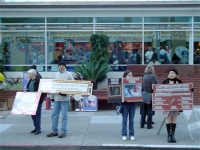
(62, 63)
(33, 67)
(174, 70)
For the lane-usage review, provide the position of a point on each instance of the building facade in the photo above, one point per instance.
(43, 33)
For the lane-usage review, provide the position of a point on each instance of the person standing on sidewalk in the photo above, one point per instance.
(61, 103)
(128, 109)
(171, 115)
(32, 86)
(148, 79)
(38, 74)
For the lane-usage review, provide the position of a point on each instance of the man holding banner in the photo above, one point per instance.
(61, 103)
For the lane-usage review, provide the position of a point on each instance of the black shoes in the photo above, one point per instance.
(33, 131)
(62, 135)
(52, 134)
(37, 132)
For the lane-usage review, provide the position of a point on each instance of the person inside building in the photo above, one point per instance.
(35, 67)
(128, 110)
(61, 103)
(171, 116)
(32, 86)
(148, 55)
(148, 79)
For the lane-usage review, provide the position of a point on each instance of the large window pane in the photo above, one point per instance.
(118, 20)
(24, 47)
(196, 47)
(70, 20)
(22, 20)
(22, 27)
(166, 19)
(167, 26)
(124, 48)
(197, 19)
(72, 47)
(171, 47)
(70, 27)
(118, 26)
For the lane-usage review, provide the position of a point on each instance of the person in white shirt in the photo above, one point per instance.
(148, 55)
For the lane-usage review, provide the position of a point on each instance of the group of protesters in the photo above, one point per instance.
(128, 108)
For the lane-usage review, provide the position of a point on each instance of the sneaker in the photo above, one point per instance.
(124, 138)
(52, 134)
(33, 131)
(62, 135)
(37, 132)
(132, 138)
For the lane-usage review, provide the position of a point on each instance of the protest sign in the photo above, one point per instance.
(172, 97)
(65, 86)
(115, 90)
(26, 103)
(132, 89)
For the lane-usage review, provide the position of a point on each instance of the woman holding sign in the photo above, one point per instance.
(128, 108)
(171, 115)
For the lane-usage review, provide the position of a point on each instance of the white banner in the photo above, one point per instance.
(194, 126)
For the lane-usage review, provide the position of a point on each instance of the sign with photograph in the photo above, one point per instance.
(115, 90)
(132, 89)
(65, 86)
(90, 103)
(172, 97)
(26, 103)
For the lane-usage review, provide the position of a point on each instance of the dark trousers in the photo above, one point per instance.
(37, 118)
(147, 109)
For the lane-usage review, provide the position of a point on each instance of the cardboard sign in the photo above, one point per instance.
(132, 89)
(194, 126)
(26, 103)
(115, 90)
(172, 97)
(65, 86)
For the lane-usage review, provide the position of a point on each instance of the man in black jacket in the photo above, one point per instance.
(35, 67)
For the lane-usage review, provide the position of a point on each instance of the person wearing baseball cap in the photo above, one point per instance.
(61, 103)
(171, 116)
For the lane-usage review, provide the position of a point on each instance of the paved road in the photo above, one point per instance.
(92, 130)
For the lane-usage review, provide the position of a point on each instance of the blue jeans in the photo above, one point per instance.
(128, 109)
(146, 110)
(63, 107)
(37, 118)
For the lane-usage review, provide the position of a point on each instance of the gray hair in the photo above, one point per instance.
(33, 71)
(149, 69)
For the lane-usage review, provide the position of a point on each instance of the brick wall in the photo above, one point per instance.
(187, 73)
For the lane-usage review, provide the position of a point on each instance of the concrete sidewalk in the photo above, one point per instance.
(92, 130)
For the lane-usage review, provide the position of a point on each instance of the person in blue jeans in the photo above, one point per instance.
(61, 103)
(32, 86)
(128, 109)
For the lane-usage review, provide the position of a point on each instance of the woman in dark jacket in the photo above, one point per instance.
(171, 115)
(32, 86)
(148, 79)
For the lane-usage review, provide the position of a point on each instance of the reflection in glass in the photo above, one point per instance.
(168, 47)
(196, 47)
(24, 47)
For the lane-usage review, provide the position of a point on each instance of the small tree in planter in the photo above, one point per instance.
(94, 71)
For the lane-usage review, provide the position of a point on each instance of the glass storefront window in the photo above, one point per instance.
(168, 47)
(197, 47)
(72, 47)
(167, 26)
(69, 26)
(124, 48)
(70, 20)
(23, 68)
(24, 47)
(118, 26)
(22, 27)
(166, 19)
(118, 19)
(22, 20)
